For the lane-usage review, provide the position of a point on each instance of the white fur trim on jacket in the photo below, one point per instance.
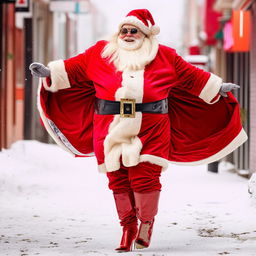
(211, 89)
(143, 158)
(59, 76)
(122, 137)
(155, 160)
(234, 144)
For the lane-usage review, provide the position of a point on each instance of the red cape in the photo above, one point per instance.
(200, 132)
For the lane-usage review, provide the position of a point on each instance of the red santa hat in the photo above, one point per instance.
(142, 19)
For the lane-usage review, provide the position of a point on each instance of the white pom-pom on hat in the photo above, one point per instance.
(142, 19)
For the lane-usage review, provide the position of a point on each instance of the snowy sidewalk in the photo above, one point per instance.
(54, 204)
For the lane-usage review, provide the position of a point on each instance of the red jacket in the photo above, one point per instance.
(201, 126)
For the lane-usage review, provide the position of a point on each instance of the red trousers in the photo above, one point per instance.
(142, 178)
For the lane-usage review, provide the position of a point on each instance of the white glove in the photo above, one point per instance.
(39, 70)
(227, 87)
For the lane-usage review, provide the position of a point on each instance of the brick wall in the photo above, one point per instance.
(253, 95)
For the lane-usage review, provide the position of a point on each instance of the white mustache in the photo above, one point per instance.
(129, 39)
(130, 45)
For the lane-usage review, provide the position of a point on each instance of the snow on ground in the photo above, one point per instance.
(54, 204)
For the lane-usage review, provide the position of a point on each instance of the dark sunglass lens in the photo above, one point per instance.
(124, 31)
(134, 31)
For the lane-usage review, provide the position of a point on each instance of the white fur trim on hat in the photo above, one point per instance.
(153, 30)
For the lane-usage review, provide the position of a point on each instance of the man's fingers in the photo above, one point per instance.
(31, 66)
(227, 87)
(223, 94)
(236, 86)
(39, 70)
(34, 65)
(233, 86)
(35, 73)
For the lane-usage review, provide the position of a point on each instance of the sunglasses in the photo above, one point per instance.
(132, 31)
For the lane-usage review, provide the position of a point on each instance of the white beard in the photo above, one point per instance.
(130, 46)
(130, 56)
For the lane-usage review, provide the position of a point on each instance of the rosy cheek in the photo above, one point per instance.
(122, 36)
(136, 36)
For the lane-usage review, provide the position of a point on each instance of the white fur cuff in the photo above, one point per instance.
(211, 89)
(59, 76)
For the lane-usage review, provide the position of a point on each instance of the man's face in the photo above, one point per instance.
(131, 37)
(130, 33)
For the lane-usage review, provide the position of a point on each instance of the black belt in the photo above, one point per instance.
(128, 107)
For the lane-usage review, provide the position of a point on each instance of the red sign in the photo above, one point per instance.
(237, 32)
(241, 21)
(22, 5)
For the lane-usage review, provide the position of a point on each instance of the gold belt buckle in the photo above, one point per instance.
(127, 108)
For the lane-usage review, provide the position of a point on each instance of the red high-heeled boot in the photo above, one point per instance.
(147, 207)
(128, 237)
(125, 206)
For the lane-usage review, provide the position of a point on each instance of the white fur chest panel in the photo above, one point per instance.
(122, 140)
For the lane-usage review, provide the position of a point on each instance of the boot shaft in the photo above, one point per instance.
(147, 208)
(147, 205)
(125, 206)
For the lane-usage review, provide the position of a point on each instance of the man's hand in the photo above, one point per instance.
(227, 87)
(39, 70)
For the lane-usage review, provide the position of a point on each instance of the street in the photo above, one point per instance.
(54, 204)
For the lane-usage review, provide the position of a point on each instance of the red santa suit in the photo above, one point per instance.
(201, 127)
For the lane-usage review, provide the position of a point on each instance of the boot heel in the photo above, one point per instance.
(133, 245)
(124, 249)
(139, 246)
(127, 241)
(144, 235)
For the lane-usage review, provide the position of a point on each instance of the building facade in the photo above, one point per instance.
(11, 77)
(35, 31)
(240, 60)
(227, 35)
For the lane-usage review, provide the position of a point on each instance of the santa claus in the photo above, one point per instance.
(137, 105)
